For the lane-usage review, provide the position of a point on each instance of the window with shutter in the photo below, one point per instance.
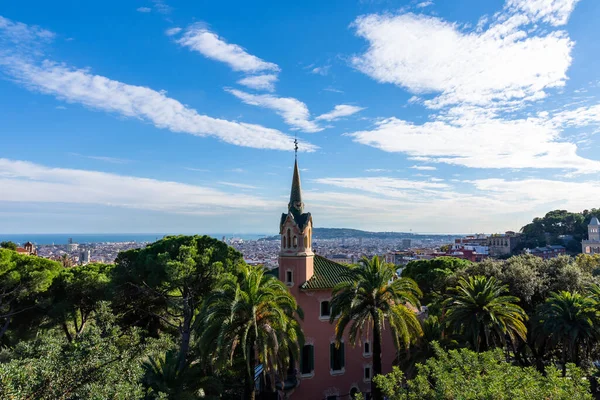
(307, 360)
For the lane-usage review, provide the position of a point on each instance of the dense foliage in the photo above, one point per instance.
(186, 318)
(558, 227)
(468, 375)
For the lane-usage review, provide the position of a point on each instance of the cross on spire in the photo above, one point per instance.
(296, 147)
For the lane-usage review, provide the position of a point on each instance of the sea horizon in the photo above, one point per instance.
(82, 238)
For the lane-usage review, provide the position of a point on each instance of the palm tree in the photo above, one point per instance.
(254, 312)
(479, 309)
(163, 376)
(370, 296)
(570, 319)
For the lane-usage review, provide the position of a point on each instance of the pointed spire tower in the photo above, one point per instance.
(295, 228)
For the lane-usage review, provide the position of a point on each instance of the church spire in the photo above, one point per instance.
(295, 205)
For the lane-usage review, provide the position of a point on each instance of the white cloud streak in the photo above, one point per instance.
(339, 111)
(260, 82)
(209, 44)
(28, 182)
(294, 112)
(424, 167)
(98, 92)
(172, 31)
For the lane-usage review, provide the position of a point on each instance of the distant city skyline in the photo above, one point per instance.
(422, 116)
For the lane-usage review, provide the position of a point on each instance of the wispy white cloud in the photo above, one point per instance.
(94, 91)
(294, 112)
(196, 169)
(554, 12)
(339, 111)
(424, 4)
(98, 92)
(172, 31)
(324, 70)
(260, 82)
(484, 143)
(198, 38)
(424, 167)
(112, 160)
(333, 90)
(399, 204)
(28, 182)
(476, 80)
(377, 170)
(144, 9)
(162, 7)
(237, 185)
(429, 55)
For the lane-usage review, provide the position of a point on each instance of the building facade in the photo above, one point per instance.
(547, 252)
(326, 370)
(503, 244)
(592, 245)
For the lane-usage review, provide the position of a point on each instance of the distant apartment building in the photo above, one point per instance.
(479, 239)
(473, 253)
(406, 244)
(85, 257)
(503, 244)
(400, 258)
(72, 247)
(592, 245)
(547, 252)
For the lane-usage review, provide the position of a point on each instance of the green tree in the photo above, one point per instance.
(164, 378)
(467, 375)
(370, 297)
(479, 309)
(104, 362)
(163, 285)
(76, 293)
(24, 280)
(8, 245)
(255, 312)
(431, 275)
(571, 320)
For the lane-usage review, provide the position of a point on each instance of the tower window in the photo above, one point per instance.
(289, 277)
(283, 242)
(289, 240)
(367, 376)
(306, 242)
(295, 241)
(337, 357)
(367, 348)
(325, 309)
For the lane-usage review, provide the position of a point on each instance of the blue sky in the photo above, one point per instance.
(179, 116)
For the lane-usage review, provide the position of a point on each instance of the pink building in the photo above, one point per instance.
(325, 371)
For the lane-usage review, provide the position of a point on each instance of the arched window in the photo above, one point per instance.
(283, 241)
(289, 239)
(305, 242)
(295, 241)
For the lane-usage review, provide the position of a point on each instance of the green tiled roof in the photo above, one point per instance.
(327, 274)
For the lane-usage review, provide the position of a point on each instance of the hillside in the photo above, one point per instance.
(345, 233)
